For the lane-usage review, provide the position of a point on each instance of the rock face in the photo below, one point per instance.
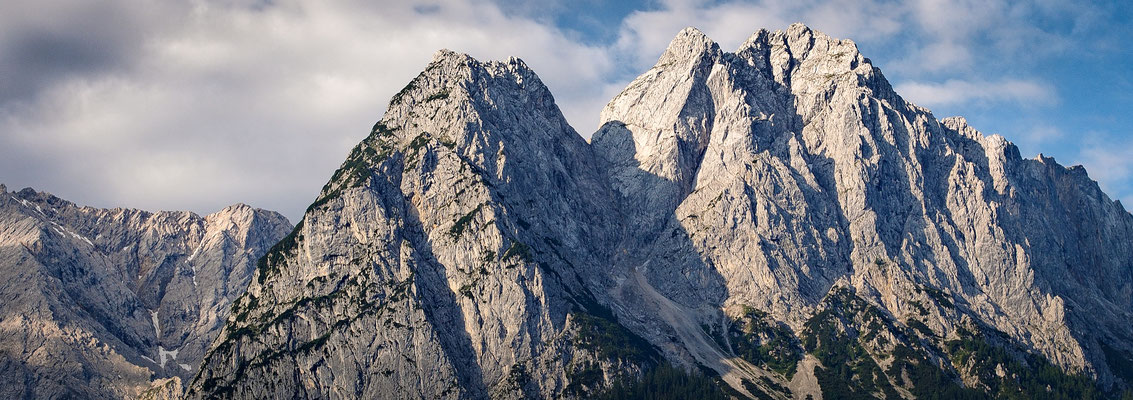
(98, 303)
(439, 261)
(777, 218)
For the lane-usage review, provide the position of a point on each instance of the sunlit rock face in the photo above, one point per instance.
(762, 218)
(104, 303)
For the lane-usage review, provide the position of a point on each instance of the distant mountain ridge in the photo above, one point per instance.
(104, 303)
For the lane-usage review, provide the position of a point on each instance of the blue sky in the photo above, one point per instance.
(199, 104)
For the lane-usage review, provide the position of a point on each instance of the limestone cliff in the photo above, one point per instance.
(775, 218)
(98, 303)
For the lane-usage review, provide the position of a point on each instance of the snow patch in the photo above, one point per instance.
(80, 237)
(196, 250)
(185, 367)
(156, 324)
(194, 255)
(29, 205)
(149, 359)
(162, 354)
(67, 232)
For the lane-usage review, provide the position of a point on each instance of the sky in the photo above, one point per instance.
(196, 105)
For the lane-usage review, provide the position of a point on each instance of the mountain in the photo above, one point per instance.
(102, 303)
(774, 222)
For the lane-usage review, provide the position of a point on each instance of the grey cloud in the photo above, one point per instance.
(954, 91)
(200, 107)
(165, 105)
(45, 42)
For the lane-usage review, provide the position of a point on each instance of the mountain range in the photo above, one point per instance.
(774, 222)
(105, 303)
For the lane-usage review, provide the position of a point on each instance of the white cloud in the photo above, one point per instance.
(218, 102)
(1043, 134)
(195, 105)
(1107, 160)
(954, 91)
(645, 34)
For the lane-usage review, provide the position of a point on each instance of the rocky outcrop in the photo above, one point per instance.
(776, 218)
(442, 260)
(793, 165)
(97, 303)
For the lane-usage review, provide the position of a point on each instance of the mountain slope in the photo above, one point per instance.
(808, 170)
(776, 220)
(439, 261)
(98, 303)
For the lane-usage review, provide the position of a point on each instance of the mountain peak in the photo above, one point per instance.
(452, 59)
(689, 43)
(783, 188)
(692, 33)
(800, 29)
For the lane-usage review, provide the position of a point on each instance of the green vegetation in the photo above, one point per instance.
(927, 381)
(379, 130)
(361, 295)
(420, 141)
(356, 170)
(397, 98)
(775, 385)
(462, 222)
(920, 307)
(939, 297)
(849, 371)
(518, 376)
(756, 391)
(466, 290)
(919, 327)
(761, 341)
(270, 263)
(1120, 362)
(584, 377)
(920, 364)
(518, 249)
(665, 382)
(610, 340)
(1028, 377)
(413, 151)
(438, 96)
(475, 275)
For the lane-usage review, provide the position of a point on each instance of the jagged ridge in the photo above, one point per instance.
(100, 303)
(777, 217)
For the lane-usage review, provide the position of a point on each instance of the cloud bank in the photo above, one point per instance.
(196, 105)
(164, 105)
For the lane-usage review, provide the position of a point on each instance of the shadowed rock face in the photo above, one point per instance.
(97, 303)
(766, 216)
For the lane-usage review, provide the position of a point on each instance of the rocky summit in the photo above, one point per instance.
(117, 303)
(773, 222)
